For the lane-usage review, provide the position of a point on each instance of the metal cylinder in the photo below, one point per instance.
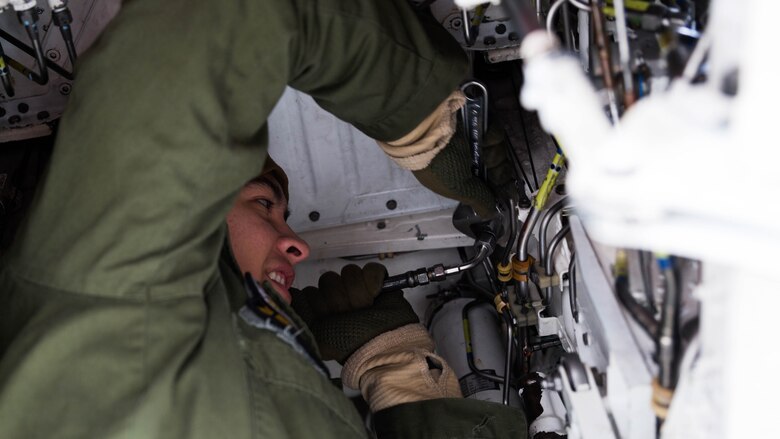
(487, 345)
(553, 417)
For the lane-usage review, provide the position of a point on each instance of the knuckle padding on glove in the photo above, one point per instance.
(357, 293)
(332, 294)
(341, 335)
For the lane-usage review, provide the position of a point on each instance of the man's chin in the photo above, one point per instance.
(283, 292)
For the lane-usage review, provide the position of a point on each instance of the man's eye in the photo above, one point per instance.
(268, 204)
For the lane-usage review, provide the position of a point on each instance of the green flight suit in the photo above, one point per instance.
(115, 318)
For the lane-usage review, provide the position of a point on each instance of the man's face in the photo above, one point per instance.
(262, 242)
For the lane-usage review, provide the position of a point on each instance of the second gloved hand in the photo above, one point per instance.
(347, 311)
(386, 353)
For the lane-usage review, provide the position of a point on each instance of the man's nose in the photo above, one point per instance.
(293, 247)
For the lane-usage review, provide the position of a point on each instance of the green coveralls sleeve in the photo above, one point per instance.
(114, 316)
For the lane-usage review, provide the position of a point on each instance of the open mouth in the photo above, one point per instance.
(281, 284)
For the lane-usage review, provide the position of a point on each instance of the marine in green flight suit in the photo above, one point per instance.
(117, 319)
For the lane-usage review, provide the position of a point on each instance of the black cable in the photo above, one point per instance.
(21, 68)
(518, 166)
(469, 352)
(512, 237)
(473, 284)
(575, 313)
(490, 273)
(528, 148)
(30, 51)
(525, 136)
(462, 253)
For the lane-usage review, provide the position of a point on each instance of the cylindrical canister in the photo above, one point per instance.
(487, 347)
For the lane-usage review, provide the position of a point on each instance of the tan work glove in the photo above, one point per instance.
(386, 353)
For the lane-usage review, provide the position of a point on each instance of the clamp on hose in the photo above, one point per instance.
(520, 269)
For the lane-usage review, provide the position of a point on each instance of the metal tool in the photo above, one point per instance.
(475, 122)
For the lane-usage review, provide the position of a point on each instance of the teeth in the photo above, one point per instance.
(277, 277)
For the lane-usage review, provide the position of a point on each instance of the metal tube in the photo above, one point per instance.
(548, 261)
(525, 233)
(522, 246)
(549, 257)
(468, 265)
(548, 216)
(424, 276)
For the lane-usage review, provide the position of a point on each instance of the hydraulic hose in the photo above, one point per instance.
(483, 252)
(439, 272)
(63, 18)
(29, 19)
